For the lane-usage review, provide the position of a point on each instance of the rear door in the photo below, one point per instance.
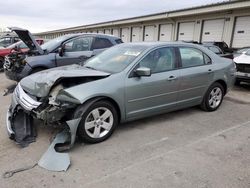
(76, 51)
(157, 93)
(196, 74)
(100, 44)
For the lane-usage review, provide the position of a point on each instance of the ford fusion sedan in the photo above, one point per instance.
(61, 51)
(124, 83)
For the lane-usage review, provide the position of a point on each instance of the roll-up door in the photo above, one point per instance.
(241, 36)
(186, 31)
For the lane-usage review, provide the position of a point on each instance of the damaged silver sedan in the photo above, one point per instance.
(124, 83)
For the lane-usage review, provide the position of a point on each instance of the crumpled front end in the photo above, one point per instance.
(25, 108)
(14, 65)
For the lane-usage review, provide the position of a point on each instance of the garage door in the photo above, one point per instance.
(149, 33)
(241, 35)
(125, 34)
(165, 32)
(186, 31)
(107, 31)
(136, 34)
(116, 32)
(213, 30)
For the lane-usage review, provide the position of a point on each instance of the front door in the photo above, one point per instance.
(76, 51)
(157, 93)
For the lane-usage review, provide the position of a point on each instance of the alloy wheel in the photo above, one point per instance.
(99, 122)
(215, 97)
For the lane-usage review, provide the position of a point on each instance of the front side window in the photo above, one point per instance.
(159, 60)
(101, 43)
(191, 57)
(78, 44)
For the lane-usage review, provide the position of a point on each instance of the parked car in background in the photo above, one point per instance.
(222, 45)
(240, 51)
(16, 47)
(8, 40)
(61, 51)
(124, 83)
(242, 67)
(218, 51)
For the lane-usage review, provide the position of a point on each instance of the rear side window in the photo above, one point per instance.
(100, 43)
(118, 41)
(215, 50)
(191, 57)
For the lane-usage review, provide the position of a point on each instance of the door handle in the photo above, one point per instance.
(170, 78)
(210, 71)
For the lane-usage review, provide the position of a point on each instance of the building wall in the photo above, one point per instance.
(230, 17)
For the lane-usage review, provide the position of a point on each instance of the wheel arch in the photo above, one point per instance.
(223, 83)
(106, 98)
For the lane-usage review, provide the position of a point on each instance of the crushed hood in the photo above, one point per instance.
(39, 84)
(28, 39)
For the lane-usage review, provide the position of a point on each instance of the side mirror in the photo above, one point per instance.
(61, 50)
(143, 71)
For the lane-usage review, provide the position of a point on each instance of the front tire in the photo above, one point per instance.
(1, 63)
(213, 97)
(98, 122)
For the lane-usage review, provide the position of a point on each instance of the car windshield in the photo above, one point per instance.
(115, 59)
(15, 44)
(52, 44)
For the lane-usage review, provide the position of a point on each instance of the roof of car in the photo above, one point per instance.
(92, 34)
(159, 43)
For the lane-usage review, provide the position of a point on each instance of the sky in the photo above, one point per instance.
(46, 15)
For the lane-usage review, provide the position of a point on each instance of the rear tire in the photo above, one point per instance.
(1, 63)
(213, 97)
(98, 121)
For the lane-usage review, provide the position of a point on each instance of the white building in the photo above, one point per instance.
(226, 21)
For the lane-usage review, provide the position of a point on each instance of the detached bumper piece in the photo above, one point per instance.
(23, 129)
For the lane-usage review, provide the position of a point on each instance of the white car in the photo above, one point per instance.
(242, 67)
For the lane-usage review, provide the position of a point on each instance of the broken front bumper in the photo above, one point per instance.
(19, 120)
(18, 74)
(10, 131)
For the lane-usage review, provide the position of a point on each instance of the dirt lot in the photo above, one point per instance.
(188, 148)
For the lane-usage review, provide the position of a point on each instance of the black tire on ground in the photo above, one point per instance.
(86, 113)
(38, 69)
(1, 63)
(205, 103)
(237, 82)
